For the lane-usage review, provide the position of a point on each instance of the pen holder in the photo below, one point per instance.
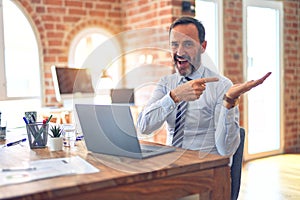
(2, 130)
(37, 134)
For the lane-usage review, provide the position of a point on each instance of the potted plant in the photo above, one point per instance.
(55, 140)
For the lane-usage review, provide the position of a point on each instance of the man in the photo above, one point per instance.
(208, 117)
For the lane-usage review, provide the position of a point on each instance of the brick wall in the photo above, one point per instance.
(291, 87)
(145, 36)
(233, 44)
(58, 21)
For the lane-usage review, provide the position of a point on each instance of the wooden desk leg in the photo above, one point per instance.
(221, 187)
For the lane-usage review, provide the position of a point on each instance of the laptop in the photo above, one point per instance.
(109, 129)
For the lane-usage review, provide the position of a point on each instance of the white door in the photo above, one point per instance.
(263, 54)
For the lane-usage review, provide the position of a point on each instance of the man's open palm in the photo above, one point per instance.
(238, 89)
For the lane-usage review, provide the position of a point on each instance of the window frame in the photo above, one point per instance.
(3, 93)
(279, 6)
(219, 43)
(115, 74)
(82, 34)
(13, 108)
(3, 78)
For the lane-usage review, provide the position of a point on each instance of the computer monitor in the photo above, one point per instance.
(122, 96)
(72, 83)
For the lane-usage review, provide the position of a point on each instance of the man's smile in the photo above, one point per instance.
(181, 60)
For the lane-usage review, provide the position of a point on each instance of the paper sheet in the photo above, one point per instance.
(47, 168)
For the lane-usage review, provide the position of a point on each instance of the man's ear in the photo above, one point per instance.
(203, 46)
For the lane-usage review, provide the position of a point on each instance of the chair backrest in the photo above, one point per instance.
(236, 167)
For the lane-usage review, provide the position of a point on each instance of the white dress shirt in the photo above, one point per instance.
(209, 126)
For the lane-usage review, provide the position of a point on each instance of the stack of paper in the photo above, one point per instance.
(46, 168)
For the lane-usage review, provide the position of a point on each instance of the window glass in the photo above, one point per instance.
(263, 111)
(20, 86)
(21, 54)
(207, 13)
(92, 41)
(87, 45)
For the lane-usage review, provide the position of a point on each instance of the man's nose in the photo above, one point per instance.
(180, 50)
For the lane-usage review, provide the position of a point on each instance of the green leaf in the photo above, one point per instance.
(56, 131)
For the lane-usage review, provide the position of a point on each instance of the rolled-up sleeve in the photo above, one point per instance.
(227, 132)
(227, 137)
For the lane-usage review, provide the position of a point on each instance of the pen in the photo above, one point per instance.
(78, 138)
(20, 169)
(25, 120)
(14, 143)
(32, 116)
(48, 120)
(45, 121)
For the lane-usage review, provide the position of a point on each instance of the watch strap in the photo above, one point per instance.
(229, 100)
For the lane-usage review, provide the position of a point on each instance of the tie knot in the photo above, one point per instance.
(185, 79)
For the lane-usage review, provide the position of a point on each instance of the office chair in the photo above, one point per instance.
(236, 167)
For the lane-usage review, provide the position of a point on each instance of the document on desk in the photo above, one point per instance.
(46, 168)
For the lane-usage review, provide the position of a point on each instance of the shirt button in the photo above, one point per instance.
(171, 107)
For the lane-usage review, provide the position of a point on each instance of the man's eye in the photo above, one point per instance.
(188, 44)
(174, 45)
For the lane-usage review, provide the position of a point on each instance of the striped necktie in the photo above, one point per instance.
(179, 121)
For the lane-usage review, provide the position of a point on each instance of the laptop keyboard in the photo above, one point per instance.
(149, 148)
(146, 151)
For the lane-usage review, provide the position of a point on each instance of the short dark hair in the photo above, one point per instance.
(190, 20)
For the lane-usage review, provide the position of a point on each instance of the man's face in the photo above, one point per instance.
(186, 48)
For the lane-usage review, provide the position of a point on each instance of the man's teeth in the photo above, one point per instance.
(182, 61)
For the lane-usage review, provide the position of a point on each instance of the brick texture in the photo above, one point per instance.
(233, 45)
(291, 87)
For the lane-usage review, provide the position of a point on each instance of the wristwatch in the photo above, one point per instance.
(230, 101)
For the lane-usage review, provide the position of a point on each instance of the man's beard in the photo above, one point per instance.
(192, 68)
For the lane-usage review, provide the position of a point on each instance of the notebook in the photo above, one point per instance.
(109, 129)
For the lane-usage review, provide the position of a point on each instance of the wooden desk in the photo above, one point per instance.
(170, 176)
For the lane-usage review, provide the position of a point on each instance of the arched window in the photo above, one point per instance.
(20, 55)
(20, 85)
(85, 43)
(96, 40)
